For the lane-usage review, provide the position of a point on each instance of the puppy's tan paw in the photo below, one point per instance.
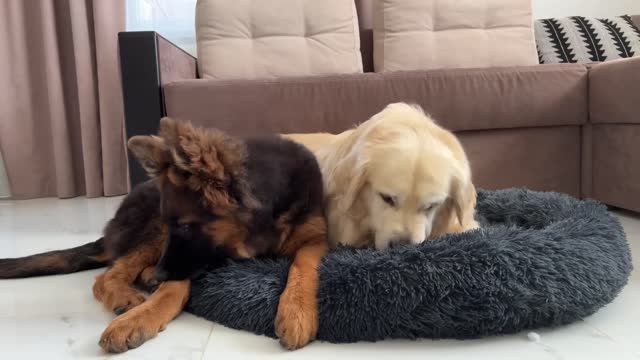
(118, 298)
(128, 331)
(147, 280)
(124, 301)
(296, 323)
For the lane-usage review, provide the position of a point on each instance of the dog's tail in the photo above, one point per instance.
(88, 256)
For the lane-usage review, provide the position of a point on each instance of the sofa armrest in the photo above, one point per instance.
(148, 61)
(613, 92)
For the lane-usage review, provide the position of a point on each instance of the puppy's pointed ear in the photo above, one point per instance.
(168, 130)
(186, 144)
(151, 152)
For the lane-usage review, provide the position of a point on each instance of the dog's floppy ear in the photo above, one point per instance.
(348, 179)
(462, 193)
(151, 152)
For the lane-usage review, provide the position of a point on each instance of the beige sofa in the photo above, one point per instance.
(567, 128)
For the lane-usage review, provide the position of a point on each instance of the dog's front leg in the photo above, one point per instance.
(131, 329)
(114, 287)
(297, 319)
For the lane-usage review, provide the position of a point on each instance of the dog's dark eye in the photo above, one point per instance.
(390, 200)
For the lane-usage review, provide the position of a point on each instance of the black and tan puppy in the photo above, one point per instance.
(211, 196)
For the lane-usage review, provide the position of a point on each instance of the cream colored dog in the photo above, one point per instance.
(396, 178)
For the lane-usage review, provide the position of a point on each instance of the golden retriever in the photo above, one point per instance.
(397, 178)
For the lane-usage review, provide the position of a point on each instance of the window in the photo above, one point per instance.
(173, 19)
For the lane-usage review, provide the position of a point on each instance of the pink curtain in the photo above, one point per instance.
(61, 111)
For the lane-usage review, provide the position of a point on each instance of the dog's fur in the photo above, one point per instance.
(211, 196)
(396, 178)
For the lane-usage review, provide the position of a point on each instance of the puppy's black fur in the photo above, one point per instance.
(284, 178)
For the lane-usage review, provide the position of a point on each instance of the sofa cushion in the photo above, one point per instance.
(550, 156)
(463, 99)
(616, 168)
(582, 40)
(254, 39)
(614, 91)
(431, 34)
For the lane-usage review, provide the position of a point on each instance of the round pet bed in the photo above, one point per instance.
(539, 260)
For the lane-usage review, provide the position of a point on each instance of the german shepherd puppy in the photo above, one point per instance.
(211, 197)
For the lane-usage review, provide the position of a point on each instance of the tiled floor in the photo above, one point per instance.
(57, 318)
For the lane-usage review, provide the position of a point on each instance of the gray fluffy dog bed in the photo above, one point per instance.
(540, 260)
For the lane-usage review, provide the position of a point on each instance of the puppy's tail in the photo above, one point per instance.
(84, 257)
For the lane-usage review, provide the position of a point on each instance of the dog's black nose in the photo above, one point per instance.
(161, 275)
(182, 230)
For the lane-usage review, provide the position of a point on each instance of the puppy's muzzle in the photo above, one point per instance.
(180, 256)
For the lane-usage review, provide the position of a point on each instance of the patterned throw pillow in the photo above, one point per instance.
(583, 40)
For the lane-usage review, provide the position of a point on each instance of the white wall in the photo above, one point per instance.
(592, 8)
(4, 183)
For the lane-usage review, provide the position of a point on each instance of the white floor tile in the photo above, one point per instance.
(49, 295)
(233, 344)
(76, 336)
(620, 320)
(52, 336)
(582, 341)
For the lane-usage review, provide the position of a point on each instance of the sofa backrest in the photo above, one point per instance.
(257, 39)
(365, 20)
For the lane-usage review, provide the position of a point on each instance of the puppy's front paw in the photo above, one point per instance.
(125, 301)
(128, 331)
(118, 298)
(296, 322)
(147, 280)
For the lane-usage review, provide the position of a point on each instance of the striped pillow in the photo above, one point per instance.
(583, 40)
